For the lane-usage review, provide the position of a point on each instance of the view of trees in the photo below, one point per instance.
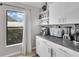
(14, 35)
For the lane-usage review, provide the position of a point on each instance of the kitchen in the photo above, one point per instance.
(59, 36)
(39, 29)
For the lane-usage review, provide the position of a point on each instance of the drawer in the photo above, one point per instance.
(68, 52)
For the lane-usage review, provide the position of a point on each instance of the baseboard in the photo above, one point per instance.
(13, 54)
(32, 53)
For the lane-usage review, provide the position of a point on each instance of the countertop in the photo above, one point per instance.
(64, 42)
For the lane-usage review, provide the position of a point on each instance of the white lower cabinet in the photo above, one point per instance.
(42, 49)
(38, 46)
(58, 51)
(45, 48)
(51, 48)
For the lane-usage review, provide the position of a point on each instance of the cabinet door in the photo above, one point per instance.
(46, 49)
(68, 52)
(63, 10)
(51, 20)
(65, 52)
(55, 16)
(42, 49)
(39, 45)
(52, 49)
(61, 53)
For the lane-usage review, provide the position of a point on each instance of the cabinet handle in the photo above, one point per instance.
(51, 52)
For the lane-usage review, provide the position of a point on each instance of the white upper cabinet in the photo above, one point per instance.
(63, 12)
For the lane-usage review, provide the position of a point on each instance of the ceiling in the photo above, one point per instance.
(34, 4)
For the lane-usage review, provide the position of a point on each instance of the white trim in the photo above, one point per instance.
(12, 54)
(21, 24)
(15, 24)
(14, 45)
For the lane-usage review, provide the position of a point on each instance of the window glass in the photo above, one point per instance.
(14, 27)
(15, 16)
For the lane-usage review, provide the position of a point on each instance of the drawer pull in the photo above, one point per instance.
(51, 52)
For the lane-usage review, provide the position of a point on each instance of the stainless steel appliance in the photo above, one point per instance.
(76, 34)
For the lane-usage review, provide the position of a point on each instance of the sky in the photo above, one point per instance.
(17, 16)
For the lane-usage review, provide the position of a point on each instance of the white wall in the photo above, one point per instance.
(34, 17)
(69, 10)
(35, 26)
